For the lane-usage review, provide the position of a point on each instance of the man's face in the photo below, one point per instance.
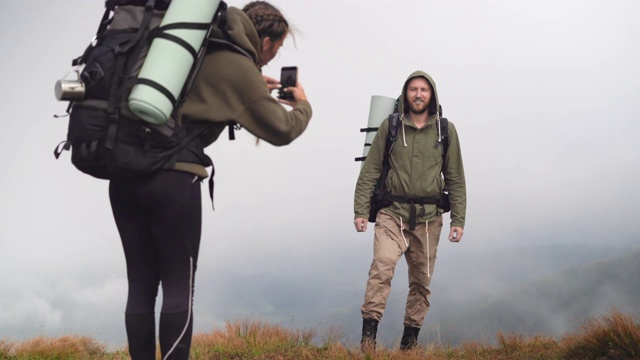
(418, 95)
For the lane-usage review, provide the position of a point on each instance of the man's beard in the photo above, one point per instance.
(415, 109)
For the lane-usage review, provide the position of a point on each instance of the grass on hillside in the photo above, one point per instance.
(611, 337)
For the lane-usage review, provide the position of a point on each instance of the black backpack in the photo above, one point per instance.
(382, 197)
(106, 140)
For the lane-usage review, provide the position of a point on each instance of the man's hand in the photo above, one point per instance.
(455, 235)
(361, 224)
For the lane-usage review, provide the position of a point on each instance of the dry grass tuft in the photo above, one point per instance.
(6, 348)
(252, 339)
(614, 336)
(516, 346)
(66, 347)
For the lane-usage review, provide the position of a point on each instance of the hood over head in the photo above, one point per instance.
(241, 32)
(403, 107)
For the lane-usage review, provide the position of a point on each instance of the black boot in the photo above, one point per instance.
(369, 331)
(409, 338)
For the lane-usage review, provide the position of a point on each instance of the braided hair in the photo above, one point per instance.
(267, 19)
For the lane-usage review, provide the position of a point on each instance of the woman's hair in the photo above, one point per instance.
(267, 19)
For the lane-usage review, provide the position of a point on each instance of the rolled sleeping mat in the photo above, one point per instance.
(379, 110)
(171, 56)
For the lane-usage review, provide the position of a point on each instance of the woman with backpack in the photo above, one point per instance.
(159, 217)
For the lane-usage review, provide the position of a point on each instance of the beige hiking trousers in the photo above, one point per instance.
(392, 239)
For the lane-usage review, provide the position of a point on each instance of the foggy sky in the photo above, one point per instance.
(544, 95)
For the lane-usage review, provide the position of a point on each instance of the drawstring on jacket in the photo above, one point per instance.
(404, 139)
(439, 129)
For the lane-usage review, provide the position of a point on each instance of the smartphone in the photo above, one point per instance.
(288, 78)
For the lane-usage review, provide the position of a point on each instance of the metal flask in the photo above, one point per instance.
(70, 90)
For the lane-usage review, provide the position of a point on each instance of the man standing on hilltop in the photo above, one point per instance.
(422, 164)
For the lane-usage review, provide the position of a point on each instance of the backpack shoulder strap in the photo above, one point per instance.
(444, 131)
(394, 125)
(392, 135)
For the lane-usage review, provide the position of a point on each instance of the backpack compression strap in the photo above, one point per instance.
(196, 54)
(161, 32)
(375, 129)
(367, 129)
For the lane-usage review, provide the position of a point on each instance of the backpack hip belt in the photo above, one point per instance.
(424, 200)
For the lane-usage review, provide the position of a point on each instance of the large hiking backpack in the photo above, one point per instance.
(382, 197)
(106, 139)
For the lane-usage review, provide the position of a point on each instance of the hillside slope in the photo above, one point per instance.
(553, 304)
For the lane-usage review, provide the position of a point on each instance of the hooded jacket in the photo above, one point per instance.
(417, 168)
(229, 87)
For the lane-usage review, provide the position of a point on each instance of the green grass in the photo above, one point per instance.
(613, 336)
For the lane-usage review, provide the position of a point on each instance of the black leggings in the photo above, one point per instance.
(159, 219)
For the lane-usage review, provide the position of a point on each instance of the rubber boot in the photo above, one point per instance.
(369, 331)
(141, 336)
(409, 338)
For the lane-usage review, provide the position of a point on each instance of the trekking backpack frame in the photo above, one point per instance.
(106, 140)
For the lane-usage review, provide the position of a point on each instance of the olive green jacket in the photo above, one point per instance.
(230, 87)
(416, 167)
